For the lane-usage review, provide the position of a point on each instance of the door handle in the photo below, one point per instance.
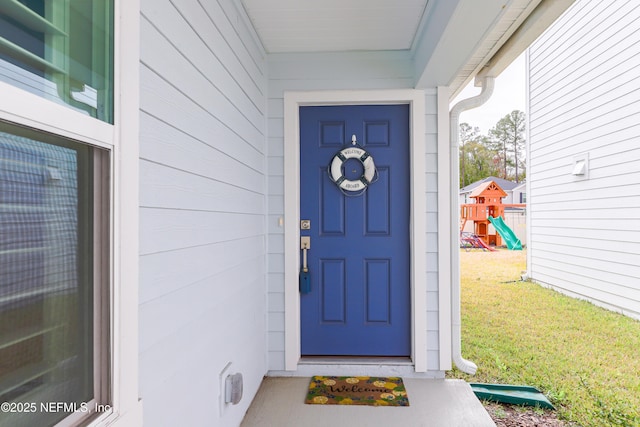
(305, 277)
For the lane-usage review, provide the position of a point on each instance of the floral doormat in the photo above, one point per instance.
(372, 391)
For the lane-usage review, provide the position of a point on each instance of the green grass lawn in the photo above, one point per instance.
(585, 359)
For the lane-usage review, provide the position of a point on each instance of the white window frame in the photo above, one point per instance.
(122, 141)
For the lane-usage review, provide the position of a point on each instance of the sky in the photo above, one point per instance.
(508, 95)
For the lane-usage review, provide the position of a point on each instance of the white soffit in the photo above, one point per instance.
(335, 25)
(514, 14)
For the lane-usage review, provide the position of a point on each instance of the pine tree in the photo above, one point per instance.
(507, 138)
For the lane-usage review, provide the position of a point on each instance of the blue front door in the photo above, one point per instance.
(359, 262)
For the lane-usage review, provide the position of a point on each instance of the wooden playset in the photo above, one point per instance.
(488, 205)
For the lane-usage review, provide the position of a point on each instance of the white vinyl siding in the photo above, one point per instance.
(202, 211)
(353, 71)
(585, 100)
(433, 282)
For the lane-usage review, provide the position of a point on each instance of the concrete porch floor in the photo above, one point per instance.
(433, 403)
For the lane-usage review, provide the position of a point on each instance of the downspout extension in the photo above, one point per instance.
(487, 84)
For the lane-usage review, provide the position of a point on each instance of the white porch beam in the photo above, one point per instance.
(453, 33)
(533, 26)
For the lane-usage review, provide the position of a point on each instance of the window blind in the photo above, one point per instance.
(34, 22)
(61, 50)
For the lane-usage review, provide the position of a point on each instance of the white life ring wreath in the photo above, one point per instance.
(368, 174)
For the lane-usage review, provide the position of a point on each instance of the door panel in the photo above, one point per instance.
(333, 288)
(377, 209)
(359, 259)
(378, 290)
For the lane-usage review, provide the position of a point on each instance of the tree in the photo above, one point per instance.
(479, 160)
(467, 135)
(507, 139)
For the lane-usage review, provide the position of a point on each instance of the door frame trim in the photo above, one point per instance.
(292, 103)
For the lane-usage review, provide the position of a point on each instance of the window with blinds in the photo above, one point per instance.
(61, 50)
(53, 281)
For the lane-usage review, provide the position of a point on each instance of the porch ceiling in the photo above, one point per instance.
(450, 41)
(336, 25)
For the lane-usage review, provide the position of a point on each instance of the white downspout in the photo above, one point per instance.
(454, 120)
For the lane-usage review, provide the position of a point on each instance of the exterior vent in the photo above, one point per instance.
(233, 388)
(581, 167)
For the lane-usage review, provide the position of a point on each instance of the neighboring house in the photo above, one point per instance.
(162, 160)
(519, 193)
(505, 184)
(584, 156)
(516, 218)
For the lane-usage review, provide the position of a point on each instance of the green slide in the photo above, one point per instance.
(514, 394)
(506, 233)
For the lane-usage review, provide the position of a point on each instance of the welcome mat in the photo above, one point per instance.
(372, 391)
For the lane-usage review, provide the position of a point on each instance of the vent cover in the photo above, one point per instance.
(233, 388)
